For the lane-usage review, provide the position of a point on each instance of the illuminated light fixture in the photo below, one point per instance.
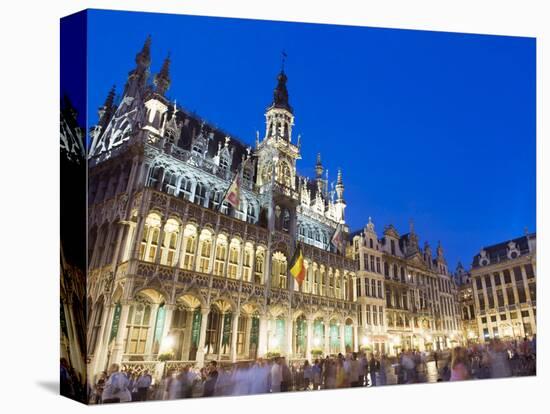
(316, 341)
(365, 341)
(168, 344)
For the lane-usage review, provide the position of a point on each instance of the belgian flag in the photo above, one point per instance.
(297, 268)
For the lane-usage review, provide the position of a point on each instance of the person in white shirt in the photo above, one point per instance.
(116, 387)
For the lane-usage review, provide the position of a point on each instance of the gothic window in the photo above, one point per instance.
(150, 239)
(137, 328)
(221, 252)
(316, 280)
(247, 262)
(241, 330)
(171, 230)
(259, 267)
(189, 240)
(371, 244)
(368, 315)
(395, 273)
(358, 289)
(330, 284)
(186, 188)
(378, 265)
(285, 176)
(286, 220)
(170, 182)
(95, 325)
(200, 194)
(250, 213)
(233, 262)
(373, 288)
(155, 176)
(205, 250)
(224, 164)
(322, 282)
(280, 270)
(372, 268)
(338, 285)
(213, 327)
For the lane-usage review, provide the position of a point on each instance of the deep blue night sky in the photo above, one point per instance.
(438, 127)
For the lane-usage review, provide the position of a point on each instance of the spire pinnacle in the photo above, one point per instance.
(319, 166)
(162, 79)
(280, 94)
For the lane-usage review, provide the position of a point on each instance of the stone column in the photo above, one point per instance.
(248, 331)
(118, 349)
(342, 339)
(355, 339)
(289, 335)
(326, 325)
(187, 336)
(220, 342)
(309, 338)
(234, 326)
(202, 337)
(262, 336)
(151, 331)
(168, 314)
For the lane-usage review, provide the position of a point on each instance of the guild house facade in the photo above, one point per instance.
(503, 291)
(176, 273)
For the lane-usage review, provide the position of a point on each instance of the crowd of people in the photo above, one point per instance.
(495, 359)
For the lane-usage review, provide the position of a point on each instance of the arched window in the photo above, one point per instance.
(150, 240)
(247, 262)
(279, 270)
(155, 176)
(189, 240)
(330, 284)
(322, 281)
(259, 267)
(200, 194)
(286, 220)
(205, 250)
(316, 280)
(213, 327)
(95, 325)
(137, 328)
(233, 262)
(285, 176)
(250, 213)
(171, 231)
(186, 189)
(170, 182)
(221, 252)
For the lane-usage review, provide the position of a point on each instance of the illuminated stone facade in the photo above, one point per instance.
(407, 298)
(175, 274)
(503, 287)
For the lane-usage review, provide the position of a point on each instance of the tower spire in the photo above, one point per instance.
(162, 79)
(107, 110)
(319, 167)
(340, 186)
(137, 79)
(280, 94)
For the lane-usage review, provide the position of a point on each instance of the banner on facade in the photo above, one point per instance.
(116, 322)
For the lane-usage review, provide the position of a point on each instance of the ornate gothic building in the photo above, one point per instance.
(175, 273)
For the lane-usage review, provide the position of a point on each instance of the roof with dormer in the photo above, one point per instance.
(499, 252)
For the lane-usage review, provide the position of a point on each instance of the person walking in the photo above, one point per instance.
(211, 380)
(276, 375)
(374, 367)
(116, 388)
(308, 374)
(459, 365)
(142, 385)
